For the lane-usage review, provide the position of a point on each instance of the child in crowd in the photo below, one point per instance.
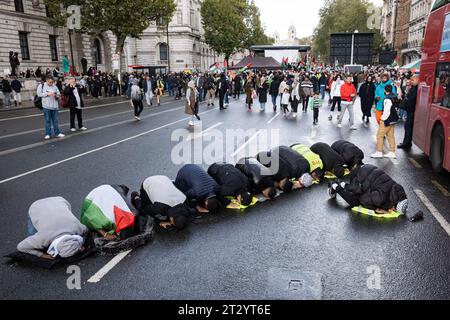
(285, 101)
(315, 103)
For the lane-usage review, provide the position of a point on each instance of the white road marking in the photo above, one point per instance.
(202, 133)
(111, 264)
(246, 143)
(437, 215)
(415, 163)
(41, 143)
(96, 150)
(441, 188)
(273, 118)
(67, 110)
(394, 161)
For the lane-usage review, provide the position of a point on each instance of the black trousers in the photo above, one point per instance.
(352, 200)
(336, 101)
(316, 115)
(305, 103)
(294, 105)
(138, 107)
(78, 113)
(221, 99)
(409, 126)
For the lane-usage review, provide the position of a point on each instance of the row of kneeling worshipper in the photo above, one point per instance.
(110, 213)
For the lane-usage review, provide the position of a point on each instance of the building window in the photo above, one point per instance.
(18, 5)
(24, 49)
(179, 17)
(53, 48)
(163, 52)
(441, 94)
(97, 52)
(192, 18)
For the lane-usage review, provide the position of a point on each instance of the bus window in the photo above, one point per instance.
(441, 94)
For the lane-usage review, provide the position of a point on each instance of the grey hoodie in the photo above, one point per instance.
(52, 218)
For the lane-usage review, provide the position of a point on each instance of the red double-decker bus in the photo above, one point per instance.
(432, 121)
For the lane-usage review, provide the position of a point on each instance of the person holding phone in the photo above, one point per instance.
(74, 92)
(50, 95)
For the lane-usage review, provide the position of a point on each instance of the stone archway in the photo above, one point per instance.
(101, 52)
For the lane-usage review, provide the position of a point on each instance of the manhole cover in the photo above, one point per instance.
(288, 284)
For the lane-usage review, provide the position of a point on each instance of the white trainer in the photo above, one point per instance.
(83, 128)
(353, 128)
(339, 125)
(47, 137)
(73, 129)
(390, 155)
(377, 155)
(60, 135)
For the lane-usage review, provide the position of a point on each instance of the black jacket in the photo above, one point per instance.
(195, 183)
(259, 177)
(231, 180)
(374, 188)
(68, 91)
(291, 164)
(410, 101)
(332, 161)
(349, 152)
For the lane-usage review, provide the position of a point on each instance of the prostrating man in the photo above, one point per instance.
(53, 230)
(233, 183)
(260, 177)
(373, 189)
(352, 155)
(106, 211)
(280, 169)
(200, 189)
(332, 161)
(314, 160)
(160, 199)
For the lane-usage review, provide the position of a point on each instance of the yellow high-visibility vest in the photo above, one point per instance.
(315, 162)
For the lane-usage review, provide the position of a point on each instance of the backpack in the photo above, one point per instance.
(64, 102)
(393, 117)
(37, 101)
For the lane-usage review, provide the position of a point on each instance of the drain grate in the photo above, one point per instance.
(291, 284)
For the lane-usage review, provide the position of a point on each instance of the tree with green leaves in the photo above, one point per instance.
(232, 25)
(123, 17)
(342, 16)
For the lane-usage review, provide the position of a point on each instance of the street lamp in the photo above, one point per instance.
(70, 31)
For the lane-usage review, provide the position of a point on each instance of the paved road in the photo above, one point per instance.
(229, 255)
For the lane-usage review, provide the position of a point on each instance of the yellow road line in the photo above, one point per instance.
(415, 163)
(441, 188)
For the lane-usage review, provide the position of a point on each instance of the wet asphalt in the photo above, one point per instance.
(302, 237)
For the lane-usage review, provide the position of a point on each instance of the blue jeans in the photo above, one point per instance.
(200, 94)
(322, 91)
(170, 90)
(274, 100)
(7, 99)
(227, 98)
(51, 116)
(31, 230)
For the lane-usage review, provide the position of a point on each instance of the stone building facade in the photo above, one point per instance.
(24, 29)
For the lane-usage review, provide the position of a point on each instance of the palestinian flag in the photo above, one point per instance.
(105, 209)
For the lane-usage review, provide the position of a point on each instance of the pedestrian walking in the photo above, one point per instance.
(249, 92)
(136, 99)
(237, 86)
(211, 91)
(6, 89)
(315, 102)
(222, 88)
(348, 94)
(262, 93)
(148, 90)
(295, 97)
(307, 87)
(274, 91)
(285, 101)
(367, 94)
(50, 95)
(74, 92)
(16, 87)
(380, 95)
(336, 95)
(191, 106)
(159, 90)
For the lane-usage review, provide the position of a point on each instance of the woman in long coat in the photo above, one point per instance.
(191, 106)
(249, 88)
(262, 93)
(367, 95)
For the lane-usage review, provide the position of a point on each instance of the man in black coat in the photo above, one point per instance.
(372, 188)
(332, 161)
(280, 169)
(351, 154)
(260, 177)
(233, 183)
(200, 189)
(222, 88)
(410, 106)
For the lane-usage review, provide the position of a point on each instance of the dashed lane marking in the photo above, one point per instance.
(437, 215)
(111, 264)
(246, 143)
(415, 163)
(96, 150)
(441, 188)
(273, 118)
(202, 133)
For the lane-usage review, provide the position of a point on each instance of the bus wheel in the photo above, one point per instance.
(437, 149)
